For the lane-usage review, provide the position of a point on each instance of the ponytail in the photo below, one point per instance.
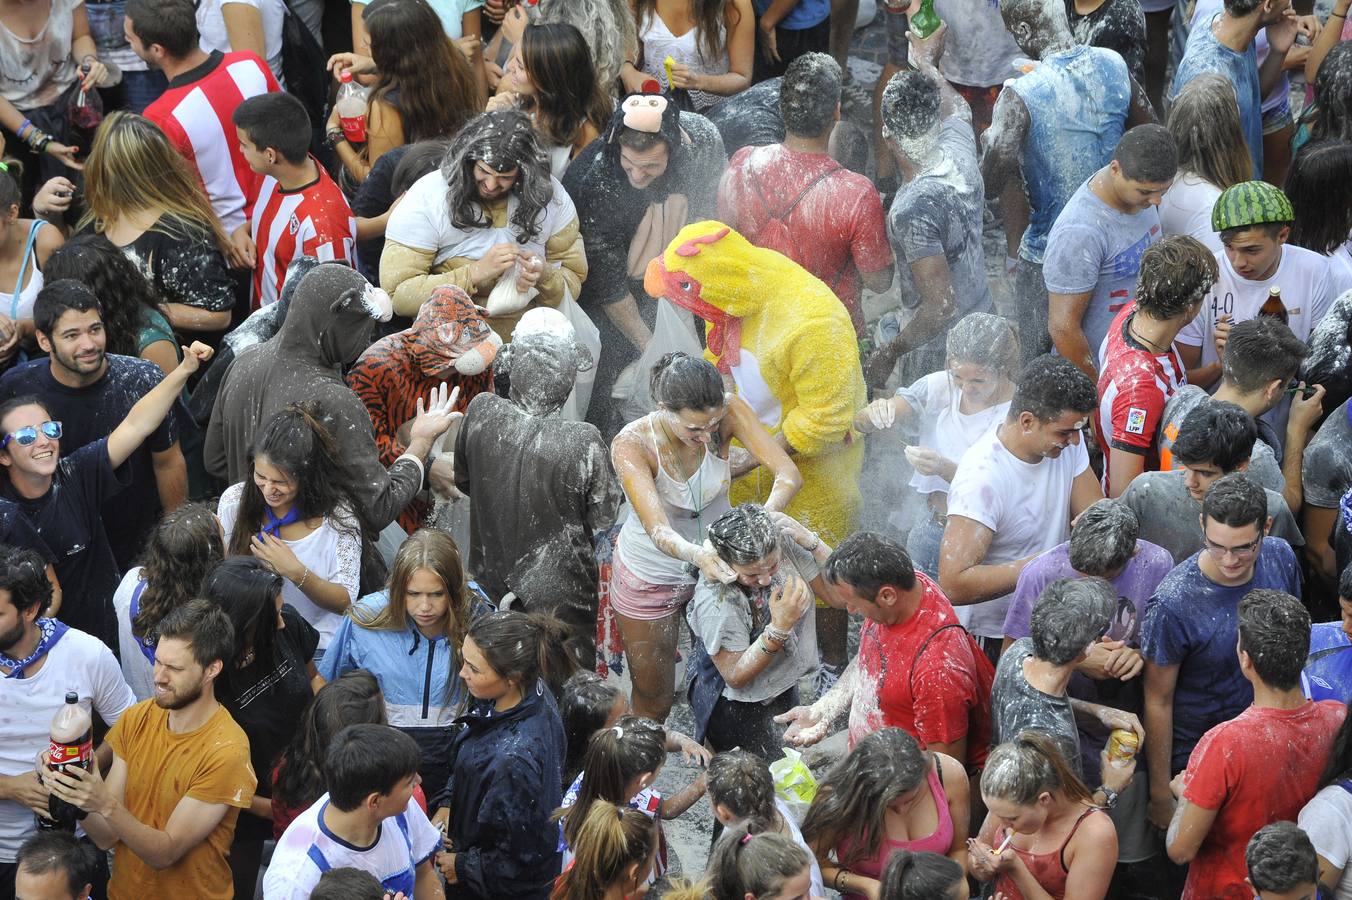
(610, 839)
(524, 647)
(918, 876)
(1021, 770)
(748, 863)
(615, 756)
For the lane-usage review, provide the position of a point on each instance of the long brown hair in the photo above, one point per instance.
(184, 547)
(435, 551)
(567, 94)
(615, 756)
(708, 18)
(852, 800)
(132, 166)
(437, 93)
(1204, 121)
(295, 441)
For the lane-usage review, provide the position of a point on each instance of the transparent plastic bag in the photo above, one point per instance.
(794, 782)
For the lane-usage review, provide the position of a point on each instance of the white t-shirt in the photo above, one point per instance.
(1306, 287)
(943, 426)
(1327, 819)
(212, 34)
(817, 889)
(1186, 209)
(79, 662)
(1307, 292)
(1027, 505)
(422, 220)
(308, 849)
(329, 552)
(136, 669)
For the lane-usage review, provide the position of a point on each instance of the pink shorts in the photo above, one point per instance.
(634, 598)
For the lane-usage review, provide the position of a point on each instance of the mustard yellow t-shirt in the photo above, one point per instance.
(211, 765)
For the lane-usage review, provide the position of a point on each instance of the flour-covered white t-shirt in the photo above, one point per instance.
(1186, 209)
(1027, 505)
(308, 849)
(944, 427)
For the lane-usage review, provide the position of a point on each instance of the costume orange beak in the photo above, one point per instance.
(654, 278)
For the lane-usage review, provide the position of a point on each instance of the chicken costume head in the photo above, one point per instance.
(787, 343)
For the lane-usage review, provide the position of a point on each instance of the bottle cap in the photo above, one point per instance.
(346, 76)
(72, 697)
(651, 86)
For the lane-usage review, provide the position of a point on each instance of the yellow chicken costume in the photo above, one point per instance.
(788, 345)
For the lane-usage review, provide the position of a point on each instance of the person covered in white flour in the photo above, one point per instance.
(542, 486)
(492, 222)
(1058, 123)
(1015, 493)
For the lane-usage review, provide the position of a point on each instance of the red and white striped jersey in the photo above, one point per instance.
(1133, 387)
(194, 112)
(312, 221)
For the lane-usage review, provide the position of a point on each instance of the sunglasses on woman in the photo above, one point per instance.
(29, 434)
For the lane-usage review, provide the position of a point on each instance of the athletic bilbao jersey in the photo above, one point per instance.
(195, 113)
(1133, 387)
(314, 220)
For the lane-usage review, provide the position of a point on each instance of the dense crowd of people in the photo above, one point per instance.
(406, 405)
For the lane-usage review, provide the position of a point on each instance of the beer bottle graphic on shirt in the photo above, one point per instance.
(1273, 306)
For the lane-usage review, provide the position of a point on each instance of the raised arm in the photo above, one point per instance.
(151, 409)
(1002, 143)
(745, 427)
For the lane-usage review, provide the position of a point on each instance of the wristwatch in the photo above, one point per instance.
(334, 137)
(1109, 796)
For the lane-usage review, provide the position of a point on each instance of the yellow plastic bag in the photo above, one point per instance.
(794, 782)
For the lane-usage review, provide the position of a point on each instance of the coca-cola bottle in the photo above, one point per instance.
(351, 106)
(72, 747)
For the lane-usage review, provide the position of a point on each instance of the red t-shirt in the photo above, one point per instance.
(1232, 770)
(943, 696)
(815, 211)
(1133, 387)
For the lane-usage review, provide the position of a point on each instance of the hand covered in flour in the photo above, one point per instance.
(788, 602)
(433, 419)
(879, 415)
(931, 462)
(711, 565)
(806, 726)
(925, 52)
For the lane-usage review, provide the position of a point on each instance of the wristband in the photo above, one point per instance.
(778, 635)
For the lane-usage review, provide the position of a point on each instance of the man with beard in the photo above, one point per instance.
(172, 815)
(90, 391)
(30, 643)
(62, 497)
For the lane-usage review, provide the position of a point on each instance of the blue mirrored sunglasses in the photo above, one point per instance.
(29, 434)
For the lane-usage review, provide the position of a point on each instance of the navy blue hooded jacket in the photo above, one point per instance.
(506, 781)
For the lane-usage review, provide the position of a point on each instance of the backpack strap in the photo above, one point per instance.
(783, 214)
(921, 652)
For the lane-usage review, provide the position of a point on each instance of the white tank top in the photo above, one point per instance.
(690, 506)
(659, 43)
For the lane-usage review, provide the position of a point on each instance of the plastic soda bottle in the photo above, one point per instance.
(72, 746)
(351, 105)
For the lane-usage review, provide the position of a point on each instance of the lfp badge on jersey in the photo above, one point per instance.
(1135, 420)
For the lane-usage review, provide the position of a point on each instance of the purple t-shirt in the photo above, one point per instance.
(1134, 586)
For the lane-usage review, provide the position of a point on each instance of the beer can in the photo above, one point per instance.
(1122, 745)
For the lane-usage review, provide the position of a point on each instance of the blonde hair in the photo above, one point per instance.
(133, 166)
(435, 551)
(611, 839)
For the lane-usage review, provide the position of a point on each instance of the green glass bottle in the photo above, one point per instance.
(926, 21)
